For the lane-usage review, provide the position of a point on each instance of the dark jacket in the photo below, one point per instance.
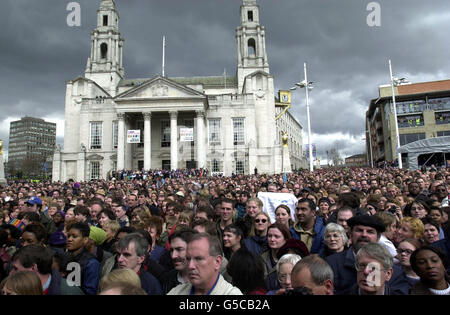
(48, 224)
(355, 290)
(420, 289)
(270, 272)
(319, 229)
(256, 244)
(157, 252)
(325, 252)
(154, 268)
(90, 271)
(149, 283)
(59, 286)
(343, 265)
(240, 207)
(169, 281)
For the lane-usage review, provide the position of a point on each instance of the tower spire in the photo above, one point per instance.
(105, 65)
(251, 42)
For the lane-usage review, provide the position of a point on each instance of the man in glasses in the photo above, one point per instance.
(374, 268)
(204, 258)
(364, 229)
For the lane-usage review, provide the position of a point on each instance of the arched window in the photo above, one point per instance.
(104, 50)
(251, 47)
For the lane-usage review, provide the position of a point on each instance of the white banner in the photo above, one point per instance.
(272, 200)
(186, 134)
(133, 136)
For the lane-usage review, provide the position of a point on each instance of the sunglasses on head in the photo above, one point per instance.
(260, 220)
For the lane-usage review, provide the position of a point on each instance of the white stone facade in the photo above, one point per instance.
(233, 118)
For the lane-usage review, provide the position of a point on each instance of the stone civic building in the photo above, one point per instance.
(225, 123)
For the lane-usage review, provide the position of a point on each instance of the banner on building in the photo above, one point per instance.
(272, 200)
(186, 134)
(133, 136)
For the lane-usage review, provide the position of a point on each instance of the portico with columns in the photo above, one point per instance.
(225, 124)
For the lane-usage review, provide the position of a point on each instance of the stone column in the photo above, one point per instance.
(121, 141)
(147, 141)
(201, 154)
(173, 140)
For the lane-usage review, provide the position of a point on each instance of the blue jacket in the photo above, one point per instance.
(157, 252)
(149, 283)
(343, 265)
(318, 242)
(256, 244)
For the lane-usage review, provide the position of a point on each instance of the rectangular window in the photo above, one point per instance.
(250, 16)
(408, 121)
(442, 118)
(215, 166)
(240, 167)
(105, 20)
(214, 131)
(115, 132)
(443, 133)
(165, 133)
(411, 106)
(96, 135)
(95, 170)
(238, 131)
(411, 137)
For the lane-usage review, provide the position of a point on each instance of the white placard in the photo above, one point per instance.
(133, 136)
(186, 134)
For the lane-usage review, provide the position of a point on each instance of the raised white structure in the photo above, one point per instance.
(225, 124)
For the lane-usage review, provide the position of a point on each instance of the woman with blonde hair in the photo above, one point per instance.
(409, 228)
(125, 275)
(257, 241)
(22, 283)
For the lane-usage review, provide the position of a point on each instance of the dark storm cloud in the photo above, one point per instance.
(347, 58)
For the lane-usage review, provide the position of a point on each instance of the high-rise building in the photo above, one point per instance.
(31, 142)
(423, 112)
(226, 124)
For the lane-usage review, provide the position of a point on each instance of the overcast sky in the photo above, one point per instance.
(347, 58)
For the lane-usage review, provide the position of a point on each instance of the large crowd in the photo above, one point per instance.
(348, 231)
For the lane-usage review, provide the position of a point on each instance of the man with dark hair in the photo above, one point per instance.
(364, 229)
(309, 227)
(178, 246)
(39, 260)
(204, 258)
(226, 217)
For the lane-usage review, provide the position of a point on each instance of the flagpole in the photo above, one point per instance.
(164, 56)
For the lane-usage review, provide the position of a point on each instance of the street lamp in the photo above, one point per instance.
(308, 86)
(396, 82)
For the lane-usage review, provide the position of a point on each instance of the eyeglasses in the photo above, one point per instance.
(284, 277)
(407, 251)
(371, 266)
(260, 221)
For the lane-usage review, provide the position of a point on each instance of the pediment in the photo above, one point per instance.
(94, 157)
(159, 88)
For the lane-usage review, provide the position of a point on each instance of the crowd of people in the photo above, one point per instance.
(351, 231)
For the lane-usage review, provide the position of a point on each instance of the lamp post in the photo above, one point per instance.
(395, 81)
(308, 86)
